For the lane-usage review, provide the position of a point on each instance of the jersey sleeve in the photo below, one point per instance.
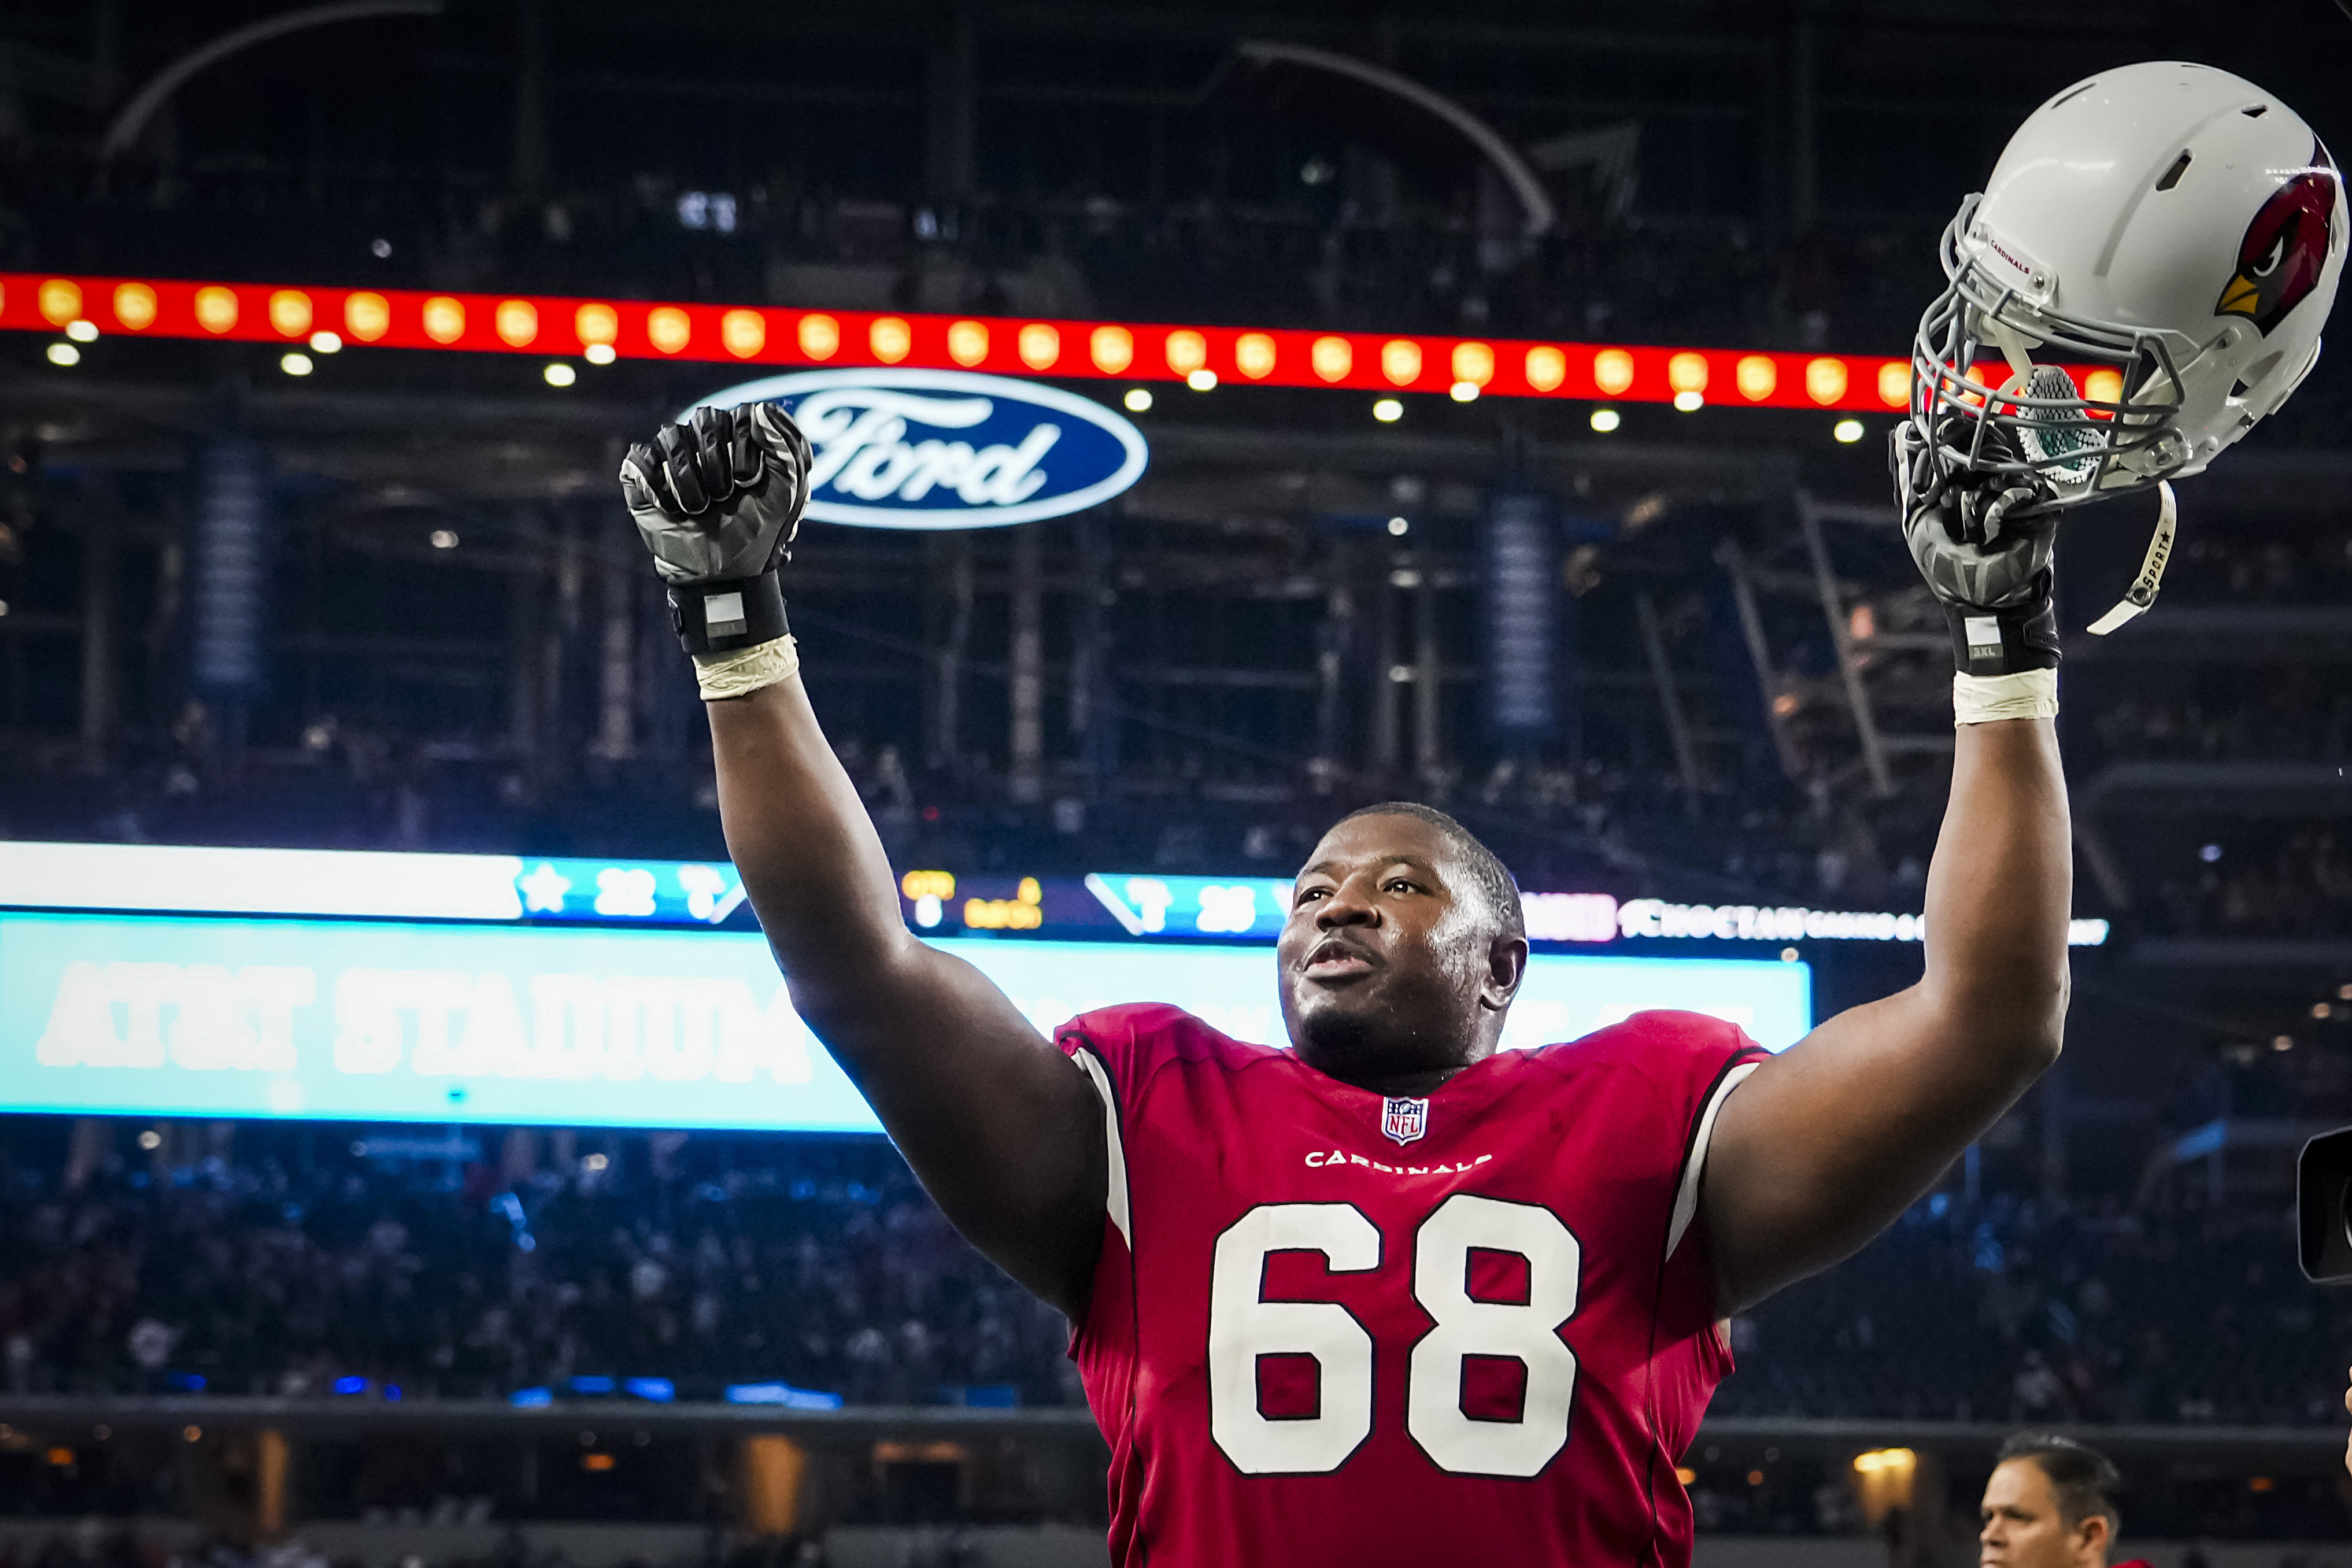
(1692, 1063)
(1721, 1065)
(1117, 1049)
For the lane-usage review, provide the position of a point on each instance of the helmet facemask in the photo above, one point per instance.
(2036, 429)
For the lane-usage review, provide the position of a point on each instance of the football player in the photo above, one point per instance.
(1390, 1296)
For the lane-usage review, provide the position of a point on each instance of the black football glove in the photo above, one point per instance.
(717, 500)
(1982, 541)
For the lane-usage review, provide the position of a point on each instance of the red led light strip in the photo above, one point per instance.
(1093, 351)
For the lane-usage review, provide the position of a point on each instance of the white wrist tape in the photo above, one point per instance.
(744, 672)
(1987, 699)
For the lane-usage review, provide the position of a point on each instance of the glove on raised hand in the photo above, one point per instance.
(718, 501)
(1988, 566)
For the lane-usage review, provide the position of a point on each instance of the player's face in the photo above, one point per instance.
(2023, 1528)
(1390, 968)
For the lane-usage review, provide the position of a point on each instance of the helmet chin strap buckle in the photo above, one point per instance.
(2144, 587)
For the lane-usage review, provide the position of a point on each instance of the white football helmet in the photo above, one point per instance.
(2153, 259)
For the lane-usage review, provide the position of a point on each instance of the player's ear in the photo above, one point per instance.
(1506, 965)
(2096, 1532)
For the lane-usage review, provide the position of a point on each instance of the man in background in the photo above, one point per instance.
(2050, 1504)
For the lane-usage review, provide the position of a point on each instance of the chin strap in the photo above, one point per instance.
(2144, 587)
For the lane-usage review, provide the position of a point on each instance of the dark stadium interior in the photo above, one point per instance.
(462, 652)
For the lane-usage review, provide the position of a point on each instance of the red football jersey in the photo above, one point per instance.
(1331, 1327)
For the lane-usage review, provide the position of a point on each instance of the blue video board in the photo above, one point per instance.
(399, 1021)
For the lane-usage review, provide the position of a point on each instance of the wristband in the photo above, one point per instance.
(1988, 698)
(723, 674)
(728, 612)
(2003, 642)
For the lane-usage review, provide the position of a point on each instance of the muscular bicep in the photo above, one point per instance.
(1822, 1146)
(1005, 1132)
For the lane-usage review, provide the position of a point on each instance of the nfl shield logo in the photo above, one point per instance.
(1405, 1120)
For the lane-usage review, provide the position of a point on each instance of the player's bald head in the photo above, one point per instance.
(1482, 868)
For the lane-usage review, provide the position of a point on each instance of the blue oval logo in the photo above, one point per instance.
(943, 449)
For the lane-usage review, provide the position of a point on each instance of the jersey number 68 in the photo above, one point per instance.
(1244, 1328)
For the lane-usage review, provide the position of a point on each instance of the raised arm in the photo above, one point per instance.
(1825, 1145)
(1004, 1133)
(1828, 1143)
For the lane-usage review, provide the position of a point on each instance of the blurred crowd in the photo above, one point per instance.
(2025, 1312)
(2269, 882)
(291, 1262)
(2311, 565)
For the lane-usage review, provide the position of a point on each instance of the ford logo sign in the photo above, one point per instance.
(941, 449)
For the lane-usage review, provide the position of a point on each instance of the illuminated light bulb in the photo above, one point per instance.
(1756, 376)
(1688, 373)
(1546, 368)
(967, 342)
(1401, 361)
(891, 339)
(1847, 431)
(1039, 344)
(324, 343)
(445, 318)
(1826, 380)
(290, 314)
(60, 300)
(1254, 356)
(1397, 527)
(743, 332)
(297, 363)
(134, 305)
(599, 353)
(1464, 391)
(369, 316)
(596, 323)
(82, 332)
(216, 309)
(1895, 384)
(443, 538)
(1187, 351)
(1138, 400)
(1112, 348)
(1332, 358)
(670, 328)
(2103, 386)
(1612, 370)
(1388, 410)
(1605, 420)
(1202, 379)
(559, 375)
(516, 321)
(64, 354)
(1690, 402)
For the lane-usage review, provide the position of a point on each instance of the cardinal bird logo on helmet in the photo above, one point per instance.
(2280, 259)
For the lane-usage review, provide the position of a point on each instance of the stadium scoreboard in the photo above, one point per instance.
(170, 981)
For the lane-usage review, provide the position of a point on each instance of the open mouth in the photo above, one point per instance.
(1336, 960)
